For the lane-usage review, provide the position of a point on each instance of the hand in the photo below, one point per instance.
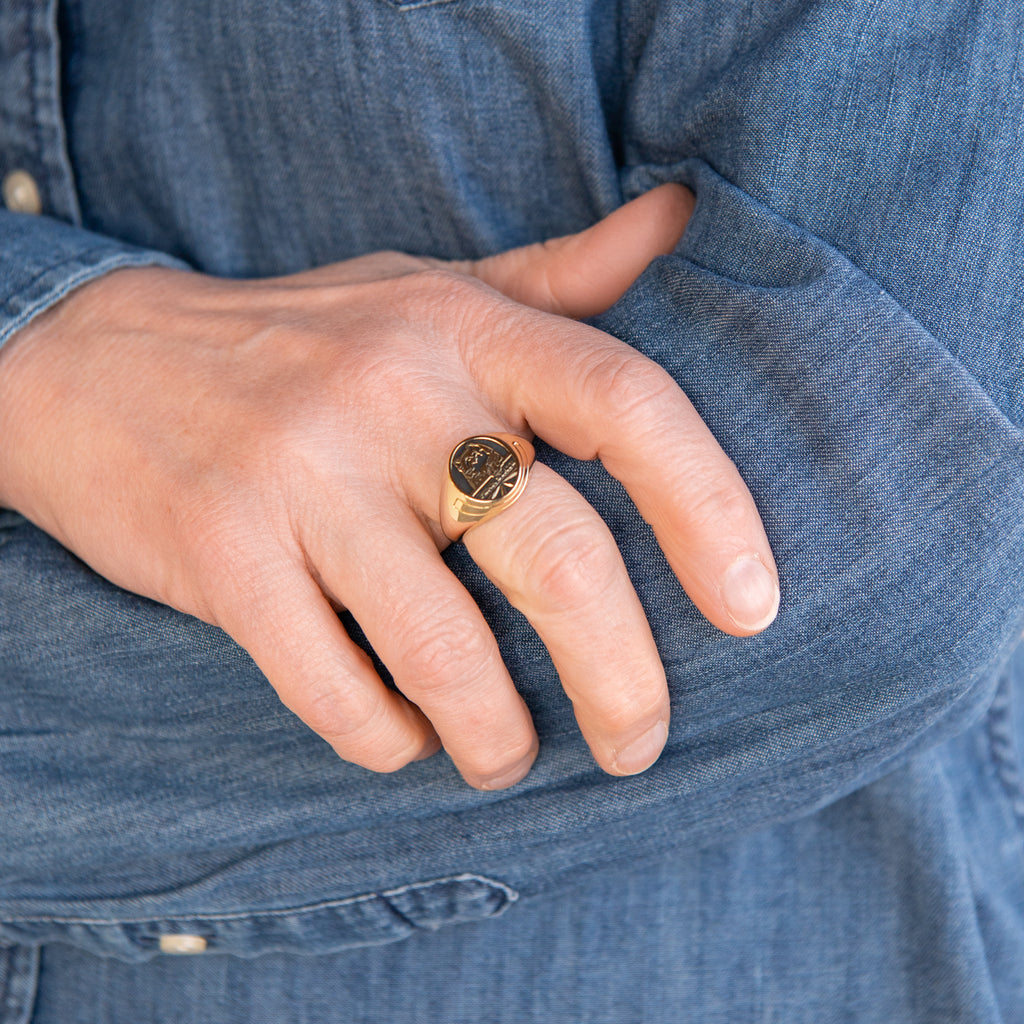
(262, 454)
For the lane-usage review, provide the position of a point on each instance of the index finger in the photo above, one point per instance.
(592, 396)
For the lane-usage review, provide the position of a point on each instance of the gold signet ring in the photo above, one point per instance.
(486, 474)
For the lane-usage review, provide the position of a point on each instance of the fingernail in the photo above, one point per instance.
(510, 777)
(750, 594)
(641, 753)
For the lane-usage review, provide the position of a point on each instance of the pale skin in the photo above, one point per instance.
(262, 454)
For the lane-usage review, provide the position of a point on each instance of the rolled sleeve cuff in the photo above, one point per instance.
(42, 260)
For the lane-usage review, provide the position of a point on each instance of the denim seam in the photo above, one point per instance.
(415, 5)
(999, 729)
(22, 975)
(511, 894)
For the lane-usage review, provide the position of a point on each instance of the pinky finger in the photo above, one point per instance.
(300, 645)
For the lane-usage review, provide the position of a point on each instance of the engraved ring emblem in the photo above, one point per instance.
(486, 474)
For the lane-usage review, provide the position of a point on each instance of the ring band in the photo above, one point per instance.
(486, 474)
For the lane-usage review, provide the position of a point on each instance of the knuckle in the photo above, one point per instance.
(385, 762)
(514, 750)
(573, 562)
(388, 262)
(216, 544)
(444, 287)
(497, 758)
(720, 498)
(355, 724)
(630, 387)
(466, 308)
(621, 710)
(444, 649)
(339, 714)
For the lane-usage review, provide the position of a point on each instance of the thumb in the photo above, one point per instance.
(583, 274)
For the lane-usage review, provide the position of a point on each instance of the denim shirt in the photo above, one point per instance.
(843, 310)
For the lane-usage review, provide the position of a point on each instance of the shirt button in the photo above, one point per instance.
(21, 193)
(179, 944)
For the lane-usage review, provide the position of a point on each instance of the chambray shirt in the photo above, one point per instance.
(844, 311)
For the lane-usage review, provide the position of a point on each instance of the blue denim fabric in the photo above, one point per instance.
(890, 905)
(844, 311)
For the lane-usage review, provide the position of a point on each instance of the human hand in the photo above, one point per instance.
(262, 454)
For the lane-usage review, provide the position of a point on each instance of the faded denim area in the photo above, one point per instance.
(845, 313)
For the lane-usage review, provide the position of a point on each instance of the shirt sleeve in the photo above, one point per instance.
(42, 259)
(891, 485)
(44, 250)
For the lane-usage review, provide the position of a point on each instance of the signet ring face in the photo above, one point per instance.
(486, 474)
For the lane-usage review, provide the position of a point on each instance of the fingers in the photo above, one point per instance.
(550, 553)
(298, 642)
(589, 395)
(583, 274)
(438, 647)
(592, 396)
(441, 653)
(556, 561)
(575, 276)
